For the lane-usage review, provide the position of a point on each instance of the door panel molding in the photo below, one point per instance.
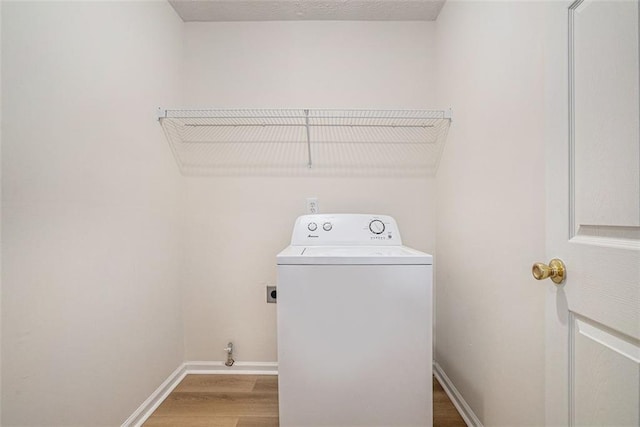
(595, 221)
(572, 108)
(603, 362)
(622, 344)
(608, 235)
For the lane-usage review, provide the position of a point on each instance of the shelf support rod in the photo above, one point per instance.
(306, 120)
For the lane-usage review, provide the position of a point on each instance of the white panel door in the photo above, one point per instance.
(593, 213)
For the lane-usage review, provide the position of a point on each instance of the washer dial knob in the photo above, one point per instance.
(312, 226)
(327, 226)
(376, 226)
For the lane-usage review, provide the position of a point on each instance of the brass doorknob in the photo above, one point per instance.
(555, 270)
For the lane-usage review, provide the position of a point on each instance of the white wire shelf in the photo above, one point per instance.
(306, 141)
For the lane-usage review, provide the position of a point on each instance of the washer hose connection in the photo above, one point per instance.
(229, 351)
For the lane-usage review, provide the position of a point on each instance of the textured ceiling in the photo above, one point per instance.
(294, 10)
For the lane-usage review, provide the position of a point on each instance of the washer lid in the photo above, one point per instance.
(353, 255)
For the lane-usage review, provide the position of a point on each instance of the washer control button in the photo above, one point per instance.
(376, 226)
(312, 226)
(327, 226)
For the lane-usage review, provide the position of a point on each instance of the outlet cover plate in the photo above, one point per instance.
(272, 295)
(312, 205)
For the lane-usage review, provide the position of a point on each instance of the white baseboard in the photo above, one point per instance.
(145, 410)
(461, 405)
(247, 368)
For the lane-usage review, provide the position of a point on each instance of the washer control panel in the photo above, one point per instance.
(345, 229)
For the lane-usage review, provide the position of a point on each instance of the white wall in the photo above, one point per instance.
(91, 203)
(91, 301)
(490, 209)
(235, 226)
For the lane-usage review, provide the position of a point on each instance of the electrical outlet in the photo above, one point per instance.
(312, 205)
(272, 294)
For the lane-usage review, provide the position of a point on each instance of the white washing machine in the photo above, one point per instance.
(354, 325)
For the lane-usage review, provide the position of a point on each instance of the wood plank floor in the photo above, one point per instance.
(444, 413)
(249, 401)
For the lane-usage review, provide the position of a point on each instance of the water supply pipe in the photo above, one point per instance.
(229, 351)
